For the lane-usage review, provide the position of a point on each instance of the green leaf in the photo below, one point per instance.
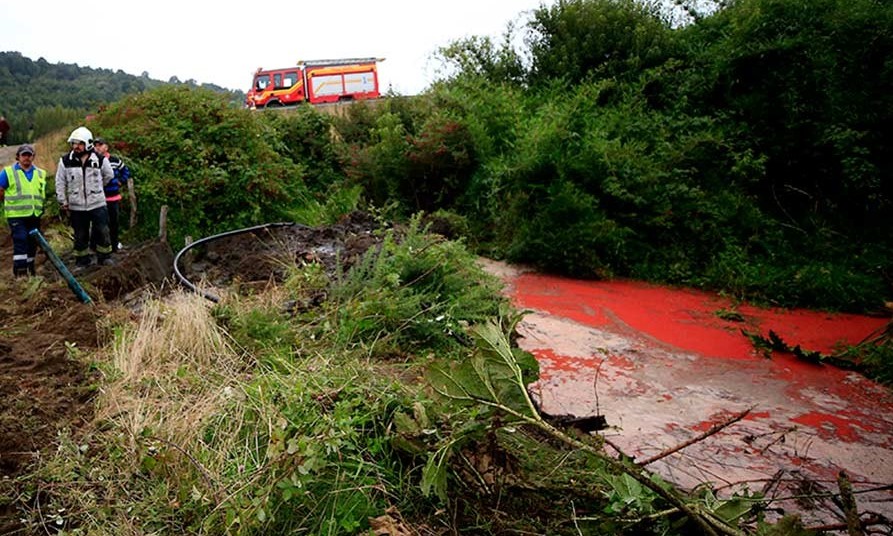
(434, 476)
(420, 415)
(733, 509)
(406, 424)
(626, 489)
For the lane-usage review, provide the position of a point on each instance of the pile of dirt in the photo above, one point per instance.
(264, 253)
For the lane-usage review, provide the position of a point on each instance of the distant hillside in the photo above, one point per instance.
(37, 96)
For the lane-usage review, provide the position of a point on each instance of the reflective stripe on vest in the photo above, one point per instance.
(23, 197)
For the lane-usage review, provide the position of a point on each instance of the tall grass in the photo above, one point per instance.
(170, 371)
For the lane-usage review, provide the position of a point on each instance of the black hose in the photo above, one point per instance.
(188, 284)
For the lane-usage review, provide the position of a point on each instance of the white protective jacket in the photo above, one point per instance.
(80, 184)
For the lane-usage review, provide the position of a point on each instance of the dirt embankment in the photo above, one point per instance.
(44, 387)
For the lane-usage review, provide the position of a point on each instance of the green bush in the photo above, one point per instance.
(305, 137)
(217, 168)
(577, 39)
(807, 85)
(569, 232)
(790, 278)
(380, 166)
(441, 158)
(48, 119)
(417, 292)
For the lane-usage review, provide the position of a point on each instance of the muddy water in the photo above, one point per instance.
(663, 368)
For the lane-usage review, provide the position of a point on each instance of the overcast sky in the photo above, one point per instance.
(225, 42)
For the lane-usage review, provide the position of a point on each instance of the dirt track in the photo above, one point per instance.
(44, 389)
(7, 155)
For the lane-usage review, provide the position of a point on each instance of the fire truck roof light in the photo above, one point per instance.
(341, 61)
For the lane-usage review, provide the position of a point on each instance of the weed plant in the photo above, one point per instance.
(416, 292)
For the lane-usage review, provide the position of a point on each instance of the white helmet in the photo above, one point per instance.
(82, 134)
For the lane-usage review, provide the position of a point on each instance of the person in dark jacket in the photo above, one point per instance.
(22, 191)
(112, 192)
(80, 178)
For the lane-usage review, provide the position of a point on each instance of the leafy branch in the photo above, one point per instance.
(493, 379)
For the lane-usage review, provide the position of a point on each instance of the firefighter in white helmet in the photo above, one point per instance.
(80, 177)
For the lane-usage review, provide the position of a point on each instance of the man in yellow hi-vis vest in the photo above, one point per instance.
(22, 191)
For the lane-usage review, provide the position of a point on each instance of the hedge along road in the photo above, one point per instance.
(664, 368)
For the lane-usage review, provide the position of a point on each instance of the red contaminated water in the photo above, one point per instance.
(665, 364)
(840, 426)
(687, 319)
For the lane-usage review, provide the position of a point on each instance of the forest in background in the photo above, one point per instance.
(39, 97)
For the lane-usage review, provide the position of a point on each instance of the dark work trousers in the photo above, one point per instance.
(24, 246)
(114, 210)
(81, 222)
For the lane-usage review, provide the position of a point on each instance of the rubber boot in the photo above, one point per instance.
(82, 263)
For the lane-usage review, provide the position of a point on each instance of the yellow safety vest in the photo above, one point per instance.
(23, 197)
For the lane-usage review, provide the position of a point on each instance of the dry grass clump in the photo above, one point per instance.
(171, 371)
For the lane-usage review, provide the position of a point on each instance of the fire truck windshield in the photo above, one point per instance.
(262, 82)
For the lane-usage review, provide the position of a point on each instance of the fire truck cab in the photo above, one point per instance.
(315, 81)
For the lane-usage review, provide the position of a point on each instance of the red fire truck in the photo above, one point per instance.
(315, 82)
